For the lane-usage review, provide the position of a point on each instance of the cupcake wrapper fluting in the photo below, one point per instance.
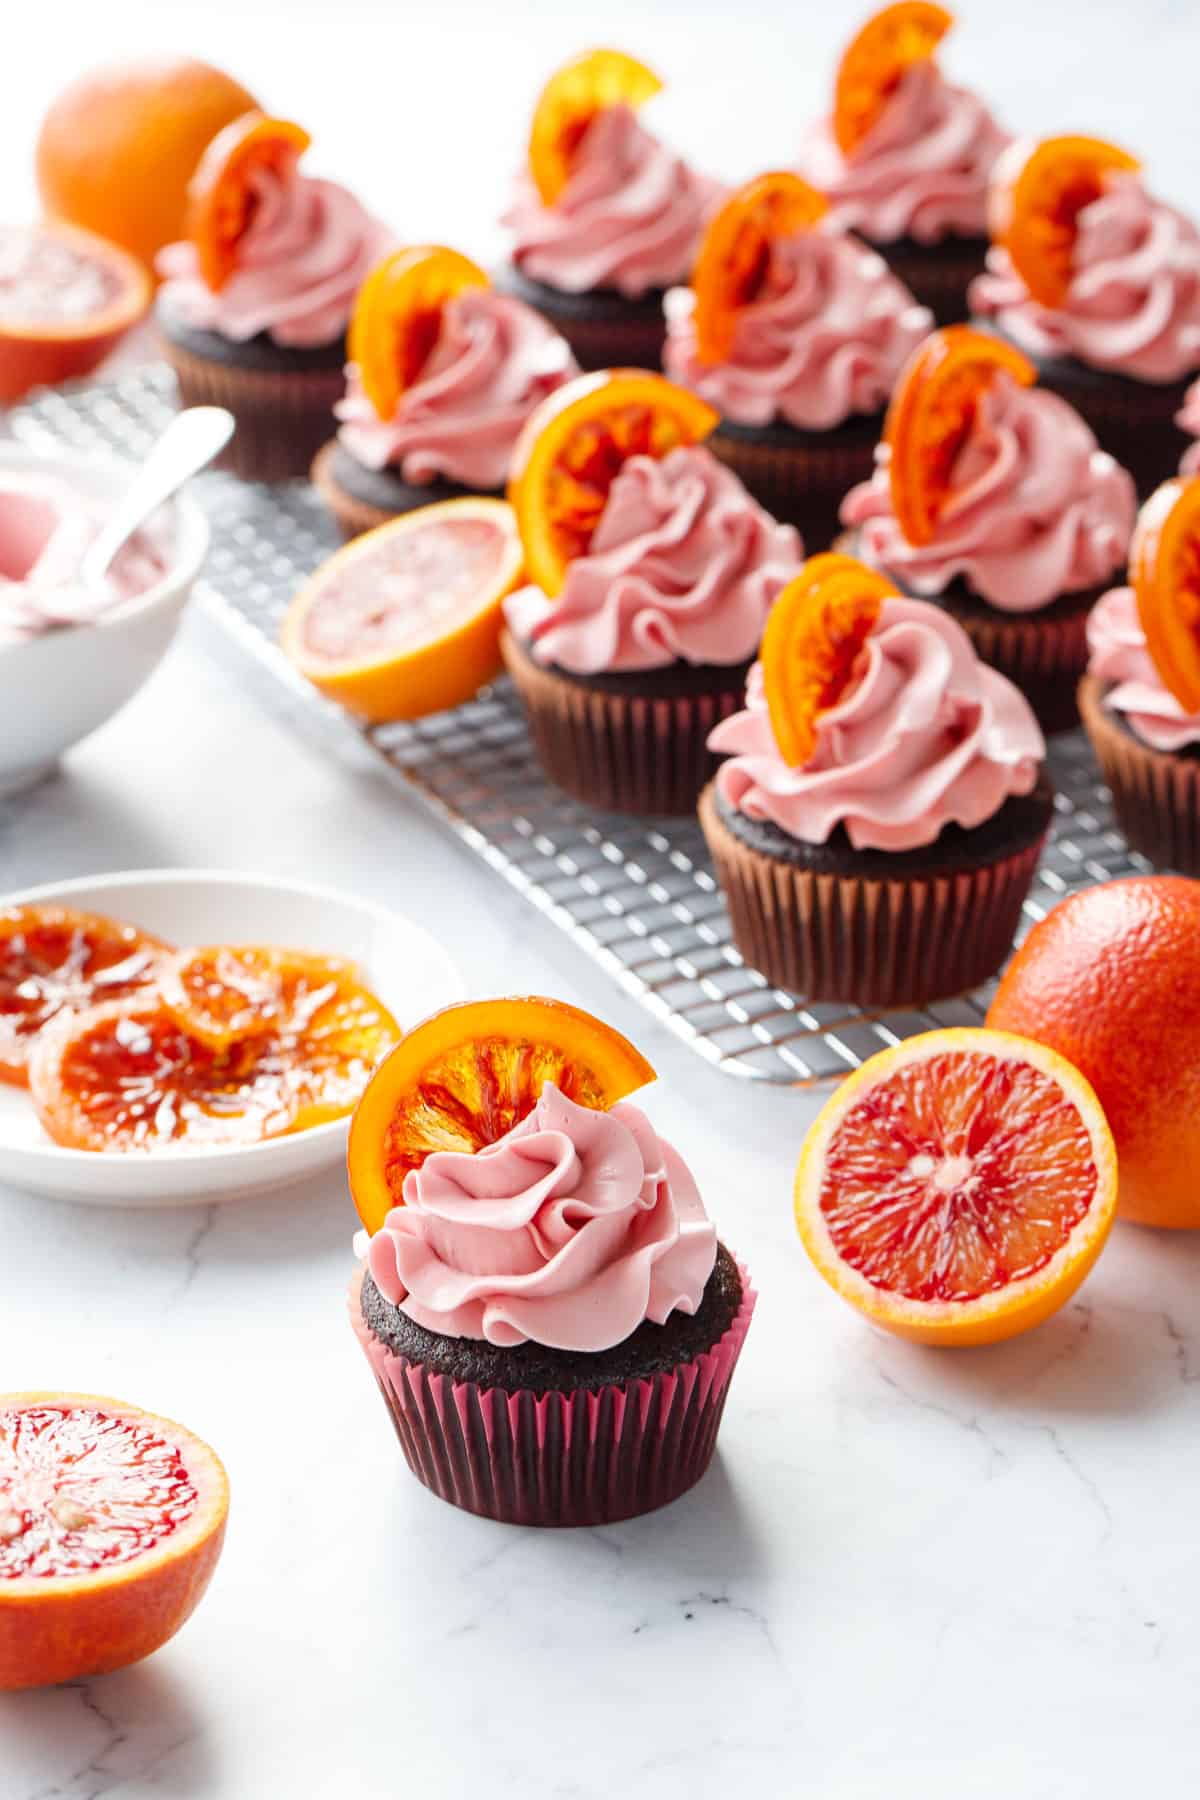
(282, 418)
(585, 1458)
(1155, 794)
(802, 485)
(1041, 656)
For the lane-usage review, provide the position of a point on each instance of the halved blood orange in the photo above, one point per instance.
(54, 959)
(1164, 567)
(398, 315)
(570, 100)
(66, 299)
(573, 447)
(228, 991)
(812, 643)
(876, 60)
(111, 1523)
(958, 1187)
(466, 1076)
(1038, 191)
(930, 416)
(221, 195)
(734, 260)
(406, 620)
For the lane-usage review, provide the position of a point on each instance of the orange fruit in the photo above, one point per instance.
(398, 316)
(1111, 979)
(406, 619)
(734, 258)
(467, 1075)
(1038, 191)
(118, 147)
(223, 194)
(814, 636)
(66, 299)
(876, 60)
(958, 1187)
(1164, 567)
(111, 1524)
(230, 991)
(570, 101)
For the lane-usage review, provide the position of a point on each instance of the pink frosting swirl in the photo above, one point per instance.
(629, 218)
(928, 736)
(1036, 508)
(825, 340)
(495, 359)
(1133, 305)
(922, 172)
(683, 567)
(300, 264)
(1188, 419)
(1117, 656)
(572, 1231)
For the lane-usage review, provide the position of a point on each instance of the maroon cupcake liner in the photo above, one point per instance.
(1155, 794)
(938, 275)
(800, 484)
(283, 416)
(1043, 656)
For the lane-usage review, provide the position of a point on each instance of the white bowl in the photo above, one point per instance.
(56, 689)
(402, 963)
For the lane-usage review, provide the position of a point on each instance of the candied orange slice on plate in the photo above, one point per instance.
(734, 260)
(466, 1076)
(568, 103)
(1164, 567)
(222, 197)
(875, 62)
(228, 991)
(398, 315)
(1037, 194)
(815, 633)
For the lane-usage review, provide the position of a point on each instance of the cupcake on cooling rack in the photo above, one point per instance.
(879, 819)
(1099, 283)
(543, 1300)
(443, 374)
(992, 498)
(605, 217)
(905, 156)
(796, 334)
(255, 301)
(650, 572)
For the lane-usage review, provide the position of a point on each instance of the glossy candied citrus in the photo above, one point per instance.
(930, 416)
(55, 959)
(876, 60)
(398, 315)
(1164, 566)
(1037, 194)
(340, 1032)
(568, 103)
(958, 1187)
(812, 643)
(221, 197)
(466, 1076)
(733, 265)
(573, 447)
(111, 1523)
(66, 299)
(223, 992)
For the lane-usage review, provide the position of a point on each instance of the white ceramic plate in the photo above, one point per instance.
(407, 968)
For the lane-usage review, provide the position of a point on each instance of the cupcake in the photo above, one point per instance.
(878, 821)
(1031, 519)
(1097, 281)
(604, 217)
(1188, 421)
(444, 372)
(255, 302)
(796, 334)
(905, 157)
(547, 1311)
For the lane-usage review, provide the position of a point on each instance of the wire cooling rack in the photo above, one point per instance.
(639, 896)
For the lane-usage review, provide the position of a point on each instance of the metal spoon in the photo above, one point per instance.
(188, 444)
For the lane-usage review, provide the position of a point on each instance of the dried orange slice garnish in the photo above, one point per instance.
(1164, 567)
(398, 315)
(875, 62)
(573, 447)
(568, 103)
(734, 260)
(931, 413)
(815, 632)
(221, 196)
(340, 1033)
(466, 1076)
(228, 991)
(1037, 194)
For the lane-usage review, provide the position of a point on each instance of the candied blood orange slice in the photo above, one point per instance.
(573, 447)
(54, 959)
(229, 991)
(466, 1076)
(66, 299)
(223, 194)
(875, 61)
(340, 1032)
(398, 315)
(111, 1523)
(959, 1186)
(811, 647)
(734, 261)
(1164, 566)
(930, 416)
(1037, 194)
(568, 103)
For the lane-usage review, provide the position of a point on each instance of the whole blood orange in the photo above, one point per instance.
(1111, 979)
(66, 299)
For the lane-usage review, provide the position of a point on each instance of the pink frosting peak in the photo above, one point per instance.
(495, 359)
(629, 218)
(1036, 508)
(300, 264)
(928, 736)
(1133, 305)
(1188, 419)
(683, 567)
(825, 340)
(1118, 657)
(923, 170)
(572, 1231)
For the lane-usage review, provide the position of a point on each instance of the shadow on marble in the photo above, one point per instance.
(75, 824)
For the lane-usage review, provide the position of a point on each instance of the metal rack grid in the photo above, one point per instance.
(638, 896)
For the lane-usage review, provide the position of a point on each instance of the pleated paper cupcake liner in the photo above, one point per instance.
(1042, 656)
(283, 418)
(801, 484)
(1155, 794)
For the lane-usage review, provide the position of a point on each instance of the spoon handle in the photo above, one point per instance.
(190, 442)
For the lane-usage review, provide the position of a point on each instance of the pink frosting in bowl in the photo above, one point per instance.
(1118, 657)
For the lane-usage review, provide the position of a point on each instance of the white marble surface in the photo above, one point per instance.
(908, 1574)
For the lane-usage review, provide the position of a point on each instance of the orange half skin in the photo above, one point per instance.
(1164, 567)
(221, 201)
(398, 315)
(876, 60)
(734, 260)
(568, 103)
(1037, 194)
(811, 647)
